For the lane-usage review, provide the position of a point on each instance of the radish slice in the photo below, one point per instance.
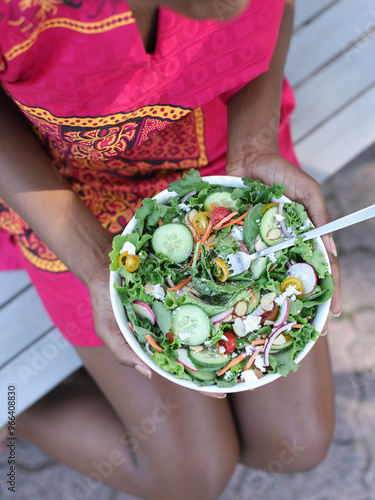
(216, 318)
(142, 310)
(244, 247)
(271, 339)
(287, 233)
(183, 358)
(283, 314)
(306, 273)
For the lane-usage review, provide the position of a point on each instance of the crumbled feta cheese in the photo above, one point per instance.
(251, 323)
(158, 292)
(249, 349)
(291, 292)
(227, 375)
(259, 363)
(249, 376)
(305, 224)
(291, 230)
(223, 337)
(272, 257)
(279, 217)
(184, 207)
(207, 342)
(280, 300)
(237, 232)
(128, 247)
(257, 221)
(222, 349)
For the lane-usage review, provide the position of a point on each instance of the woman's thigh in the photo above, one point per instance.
(288, 425)
(180, 440)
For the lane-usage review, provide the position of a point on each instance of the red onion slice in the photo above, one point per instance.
(192, 193)
(271, 339)
(282, 223)
(147, 347)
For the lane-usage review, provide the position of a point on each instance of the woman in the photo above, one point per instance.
(123, 97)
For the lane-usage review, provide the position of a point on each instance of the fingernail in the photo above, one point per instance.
(324, 333)
(143, 371)
(333, 247)
(221, 396)
(337, 315)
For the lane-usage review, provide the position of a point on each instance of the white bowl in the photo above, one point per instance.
(122, 321)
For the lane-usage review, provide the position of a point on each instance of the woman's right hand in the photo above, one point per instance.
(105, 322)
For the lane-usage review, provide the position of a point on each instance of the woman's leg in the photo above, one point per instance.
(287, 426)
(149, 438)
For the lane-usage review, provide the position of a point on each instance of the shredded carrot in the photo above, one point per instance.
(207, 233)
(160, 222)
(258, 342)
(219, 225)
(180, 285)
(213, 206)
(231, 224)
(297, 325)
(252, 359)
(234, 362)
(239, 219)
(153, 343)
(272, 268)
(130, 326)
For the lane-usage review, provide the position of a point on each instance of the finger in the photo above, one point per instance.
(212, 395)
(336, 274)
(121, 350)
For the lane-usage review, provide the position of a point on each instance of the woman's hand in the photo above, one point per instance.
(271, 167)
(105, 323)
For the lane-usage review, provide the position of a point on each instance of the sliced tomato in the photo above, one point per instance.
(292, 281)
(170, 336)
(229, 344)
(200, 222)
(219, 214)
(269, 205)
(223, 271)
(131, 262)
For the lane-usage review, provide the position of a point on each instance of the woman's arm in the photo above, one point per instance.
(32, 186)
(253, 123)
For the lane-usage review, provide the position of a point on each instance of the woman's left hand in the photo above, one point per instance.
(271, 167)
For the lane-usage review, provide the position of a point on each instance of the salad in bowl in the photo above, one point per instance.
(182, 309)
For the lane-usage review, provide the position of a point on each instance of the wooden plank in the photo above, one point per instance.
(306, 9)
(332, 88)
(341, 139)
(12, 283)
(36, 371)
(21, 322)
(328, 36)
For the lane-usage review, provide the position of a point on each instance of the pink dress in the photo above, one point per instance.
(118, 123)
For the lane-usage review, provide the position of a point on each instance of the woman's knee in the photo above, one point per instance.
(296, 448)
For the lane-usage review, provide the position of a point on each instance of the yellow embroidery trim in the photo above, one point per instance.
(156, 111)
(107, 24)
(53, 266)
(199, 127)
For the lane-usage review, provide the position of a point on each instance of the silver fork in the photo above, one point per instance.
(240, 261)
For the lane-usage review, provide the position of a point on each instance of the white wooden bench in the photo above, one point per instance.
(34, 357)
(331, 67)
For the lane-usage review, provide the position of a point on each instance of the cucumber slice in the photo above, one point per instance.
(252, 305)
(191, 324)
(258, 266)
(173, 240)
(209, 358)
(220, 199)
(202, 376)
(270, 227)
(283, 347)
